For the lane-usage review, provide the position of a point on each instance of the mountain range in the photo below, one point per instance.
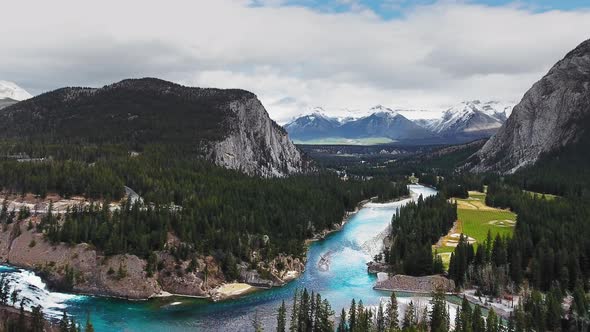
(464, 122)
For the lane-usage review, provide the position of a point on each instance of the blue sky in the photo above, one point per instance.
(392, 9)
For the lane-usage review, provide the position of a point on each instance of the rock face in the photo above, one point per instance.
(548, 117)
(426, 284)
(96, 274)
(231, 127)
(256, 144)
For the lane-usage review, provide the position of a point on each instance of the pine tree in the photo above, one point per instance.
(477, 321)
(294, 323)
(392, 314)
(380, 318)
(492, 323)
(342, 324)
(463, 318)
(282, 318)
(352, 316)
(409, 317)
(438, 314)
(423, 322)
(325, 312)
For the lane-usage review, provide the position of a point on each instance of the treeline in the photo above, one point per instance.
(307, 315)
(563, 172)
(273, 216)
(551, 241)
(414, 230)
(493, 267)
(215, 211)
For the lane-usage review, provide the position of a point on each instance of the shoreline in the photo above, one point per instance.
(212, 297)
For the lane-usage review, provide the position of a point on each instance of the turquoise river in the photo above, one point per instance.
(348, 250)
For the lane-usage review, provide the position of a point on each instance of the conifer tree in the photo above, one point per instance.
(392, 314)
(294, 323)
(282, 318)
(380, 323)
(409, 317)
(438, 313)
(352, 316)
(342, 327)
(492, 323)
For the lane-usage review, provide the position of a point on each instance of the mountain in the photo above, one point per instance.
(313, 125)
(380, 123)
(10, 94)
(383, 122)
(229, 127)
(469, 120)
(553, 115)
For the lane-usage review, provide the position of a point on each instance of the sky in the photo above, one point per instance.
(342, 55)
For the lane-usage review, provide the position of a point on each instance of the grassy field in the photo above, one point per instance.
(475, 219)
(548, 197)
(346, 141)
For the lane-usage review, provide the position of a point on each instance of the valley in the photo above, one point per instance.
(301, 166)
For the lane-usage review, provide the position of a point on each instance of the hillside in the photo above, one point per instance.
(229, 127)
(551, 116)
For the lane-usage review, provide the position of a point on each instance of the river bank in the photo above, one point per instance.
(346, 278)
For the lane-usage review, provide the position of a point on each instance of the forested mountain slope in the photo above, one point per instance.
(230, 127)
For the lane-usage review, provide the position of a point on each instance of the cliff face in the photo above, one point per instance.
(93, 273)
(549, 116)
(255, 144)
(126, 276)
(231, 127)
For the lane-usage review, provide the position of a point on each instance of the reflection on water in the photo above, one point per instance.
(345, 278)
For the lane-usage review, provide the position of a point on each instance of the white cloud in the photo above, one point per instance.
(292, 57)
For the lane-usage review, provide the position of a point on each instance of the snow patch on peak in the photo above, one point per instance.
(13, 91)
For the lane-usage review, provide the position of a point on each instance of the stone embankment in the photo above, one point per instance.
(426, 284)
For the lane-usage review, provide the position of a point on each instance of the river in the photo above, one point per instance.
(348, 250)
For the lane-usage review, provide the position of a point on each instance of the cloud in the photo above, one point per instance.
(293, 57)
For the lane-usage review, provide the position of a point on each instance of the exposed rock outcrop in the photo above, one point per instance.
(426, 284)
(122, 276)
(255, 143)
(548, 117)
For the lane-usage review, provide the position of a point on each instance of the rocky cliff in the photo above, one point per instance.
(550, 116)
(255, 144)
(231, 127)
(83, 269)
(91, 272)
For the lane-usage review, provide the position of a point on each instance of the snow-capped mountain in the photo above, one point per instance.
(470, 119)
(313, 125)
(9, 90)
(377, 122)
(384, 122)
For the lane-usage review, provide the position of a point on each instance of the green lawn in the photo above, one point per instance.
(548, 197)
(475, 219)
(477, 223)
